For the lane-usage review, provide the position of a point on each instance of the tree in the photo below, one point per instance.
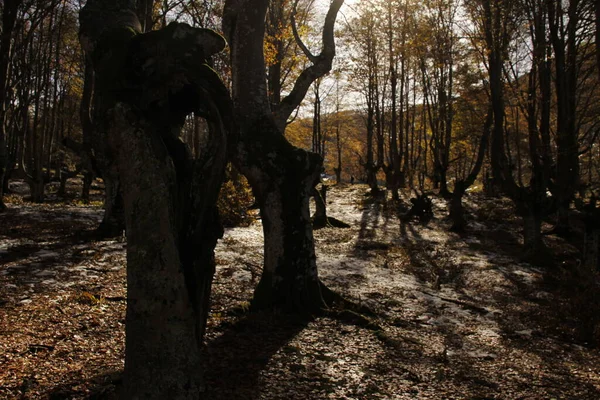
(281, 175)
(9, 16)
(365, 40)
(439, 91)
(566, 31)
(498, 23)
(146, 84)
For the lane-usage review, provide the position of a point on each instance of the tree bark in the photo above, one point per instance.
(9, 16)
(457, 214)
(281, 175)
(147, 84)
(532, 233)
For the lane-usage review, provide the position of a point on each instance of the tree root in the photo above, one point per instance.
(347, 311)
(329, 222)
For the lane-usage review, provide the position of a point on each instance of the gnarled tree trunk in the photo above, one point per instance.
(282, 179)
(147, 84)
(281, 175)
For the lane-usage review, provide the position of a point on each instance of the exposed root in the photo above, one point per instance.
(329, 222)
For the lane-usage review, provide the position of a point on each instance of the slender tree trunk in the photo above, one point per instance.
(87, 127)
(457, 214)
(394, 154)
(564, 43)
(338, 146)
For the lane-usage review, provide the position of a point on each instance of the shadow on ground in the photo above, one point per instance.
(237, 357)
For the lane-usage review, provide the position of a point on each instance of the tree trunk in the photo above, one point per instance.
(9, 16)
(591, 243)
(36, 187)
(281, 175)
(168, 279)
(88, 178)
(63, 176)
(169, 197)
(282, 178)
(371, 170)
(96, 153)
(532, 234)
(320, 216)
(566, 69)
(444, 192)
(113, 221)
(457, 212)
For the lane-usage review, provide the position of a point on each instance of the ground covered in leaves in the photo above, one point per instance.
(457, 316)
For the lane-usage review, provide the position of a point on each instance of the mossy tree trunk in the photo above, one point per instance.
(147, 84)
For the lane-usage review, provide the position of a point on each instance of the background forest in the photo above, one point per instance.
(449, 115)
(434, 95)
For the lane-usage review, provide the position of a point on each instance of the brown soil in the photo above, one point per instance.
(458, 317)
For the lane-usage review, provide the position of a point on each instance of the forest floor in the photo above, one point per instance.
(457, 316)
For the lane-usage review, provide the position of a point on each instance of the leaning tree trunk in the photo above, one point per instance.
(457, 212)
(147, 85)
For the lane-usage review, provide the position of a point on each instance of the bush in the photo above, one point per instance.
(235, 199)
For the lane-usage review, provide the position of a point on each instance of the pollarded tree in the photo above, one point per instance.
(146, 85)
(281, 175)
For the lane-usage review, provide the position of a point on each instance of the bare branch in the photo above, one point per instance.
(321, 65)
(299, 41)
